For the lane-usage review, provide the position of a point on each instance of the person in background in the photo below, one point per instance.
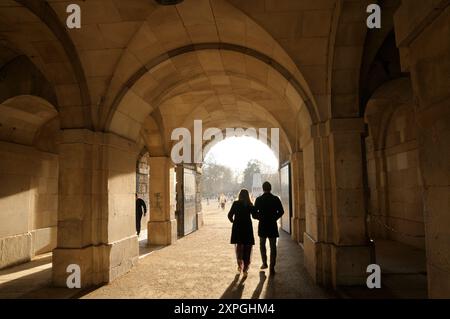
(141, 209)
(242, 231)
(222, 201)
(268, 210)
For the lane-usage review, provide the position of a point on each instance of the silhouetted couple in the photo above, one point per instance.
(267, 210)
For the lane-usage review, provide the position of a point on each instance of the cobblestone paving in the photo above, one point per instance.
(202, 265)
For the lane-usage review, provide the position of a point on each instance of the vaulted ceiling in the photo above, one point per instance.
(140, 69)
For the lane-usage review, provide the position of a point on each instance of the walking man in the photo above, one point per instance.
(268, 210)
(141, 209)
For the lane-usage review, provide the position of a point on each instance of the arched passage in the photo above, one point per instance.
(29, 192)
(52, 53)
(142, 191)
(219, 87)
(137, 70)
(223, 85)
(396, 205)
(236, 162)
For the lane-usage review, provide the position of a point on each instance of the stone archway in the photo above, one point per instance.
(396, 215)
(143, 183)
(29, 161)
(207, 81)
(418, 31)
(137, 70)
(53, 54)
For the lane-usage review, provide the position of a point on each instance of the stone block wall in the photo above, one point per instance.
(404, 189)
(28, 203)
(394, 178)
(422, 31)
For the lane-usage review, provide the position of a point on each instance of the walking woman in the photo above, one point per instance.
(242, 231)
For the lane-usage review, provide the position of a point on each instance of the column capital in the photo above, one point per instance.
(162, 159)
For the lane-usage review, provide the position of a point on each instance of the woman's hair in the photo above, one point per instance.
(244, 197)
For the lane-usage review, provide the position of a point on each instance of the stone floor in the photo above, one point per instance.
(32, 280)
(18, 280)
(403, 271)
(202, 265)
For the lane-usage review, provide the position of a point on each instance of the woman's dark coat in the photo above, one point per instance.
(240, 216)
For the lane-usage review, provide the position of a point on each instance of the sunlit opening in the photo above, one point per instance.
(236, 152)
(236, 163)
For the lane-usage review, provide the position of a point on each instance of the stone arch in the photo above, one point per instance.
(143, 183)
(147, 73)
(382, 105)
(334, 160)
(29, 160)
(250, 115)
(175, 82)
(346, 52)
(53, 54)
(20, 76)
(220, 47)
(394, 177)
(353, 49)
(382, 68)
(161, 42)
(23, 116)
(285, 149)
(151, 136)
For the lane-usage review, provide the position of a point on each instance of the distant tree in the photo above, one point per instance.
(217, 179)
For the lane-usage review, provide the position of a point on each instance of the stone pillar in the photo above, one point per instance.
(298, 197)
(422, 33)
(317, 209)
(162, 227)
(350, 251)
(96, 207)
(335, 241)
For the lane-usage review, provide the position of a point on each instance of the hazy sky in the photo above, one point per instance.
(235, 152)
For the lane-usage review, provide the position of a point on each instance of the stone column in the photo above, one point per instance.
(96, 207)
(298, 197)
(162, 227)
(335, 242)
(350, 250)
(317, 208)
(422, 32)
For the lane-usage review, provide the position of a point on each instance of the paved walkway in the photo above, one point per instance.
(202, 265)
(32, 280)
